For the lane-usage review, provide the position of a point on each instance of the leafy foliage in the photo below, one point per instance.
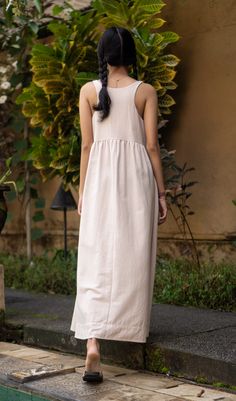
(182, 282)
(20, 25)
(66, 58)
(45, 274)
(141, 18)
(51, 101)
(62, 66)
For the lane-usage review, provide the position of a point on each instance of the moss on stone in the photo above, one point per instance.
(43, 316)
(223, 385)
(155, 360)
(201, 379)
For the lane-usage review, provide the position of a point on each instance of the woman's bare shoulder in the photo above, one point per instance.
(148, 88)
(86, 88)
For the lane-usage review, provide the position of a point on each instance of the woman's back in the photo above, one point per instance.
(123, 121)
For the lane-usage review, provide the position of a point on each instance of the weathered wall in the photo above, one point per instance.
(201, 127)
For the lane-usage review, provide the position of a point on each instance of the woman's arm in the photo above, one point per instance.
(152, 144)
(86, 129)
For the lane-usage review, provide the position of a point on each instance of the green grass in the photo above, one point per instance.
(178, 282)
(44, 274)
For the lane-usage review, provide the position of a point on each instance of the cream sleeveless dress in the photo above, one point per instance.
(118, 227)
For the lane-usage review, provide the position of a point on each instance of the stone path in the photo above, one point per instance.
(120, 384)
(186, 341)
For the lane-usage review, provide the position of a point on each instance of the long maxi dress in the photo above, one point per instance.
(118, 227)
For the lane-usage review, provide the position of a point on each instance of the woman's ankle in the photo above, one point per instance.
(93, 341)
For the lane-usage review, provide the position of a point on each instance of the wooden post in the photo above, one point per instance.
(2, 295)
(27, 200)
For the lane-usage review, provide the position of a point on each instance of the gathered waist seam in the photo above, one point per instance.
(118, 139)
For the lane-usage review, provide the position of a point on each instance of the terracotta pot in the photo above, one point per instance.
(3, 206)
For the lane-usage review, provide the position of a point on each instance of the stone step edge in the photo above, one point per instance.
(200, 368)
(154, 357)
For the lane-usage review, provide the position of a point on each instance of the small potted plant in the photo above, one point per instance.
(4, 187)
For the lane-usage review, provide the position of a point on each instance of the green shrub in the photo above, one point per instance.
(43, 274)
(178, 282)
(181, 282)
(62, 65)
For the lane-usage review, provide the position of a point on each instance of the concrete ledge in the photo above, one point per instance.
(193, 343)
(130, 355)
(188, 365)
(11, 332)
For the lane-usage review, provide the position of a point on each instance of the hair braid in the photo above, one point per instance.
(103, 71)
(116, 47)
(104, 98)
(135, 70)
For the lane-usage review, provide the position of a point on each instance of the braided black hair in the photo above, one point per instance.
(116, 47)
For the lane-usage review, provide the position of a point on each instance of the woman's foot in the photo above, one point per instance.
(92, 363)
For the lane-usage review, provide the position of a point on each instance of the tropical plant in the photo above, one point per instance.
(67, 59)
(60, 69)
(21, 23)
(141, 17)
(5, 185)
(4, 176)
(51, 101)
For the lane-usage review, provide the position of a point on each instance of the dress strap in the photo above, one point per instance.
(133, 93)
(135, 87)
(98, 86)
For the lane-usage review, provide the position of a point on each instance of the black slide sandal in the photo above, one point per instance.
(92, 376)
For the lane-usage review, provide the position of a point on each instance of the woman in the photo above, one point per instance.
(121, 202)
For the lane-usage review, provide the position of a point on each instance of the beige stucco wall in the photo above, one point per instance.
(201, 127)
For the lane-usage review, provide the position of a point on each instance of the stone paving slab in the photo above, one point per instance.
(111, 371)
(9, 347)
(39, 355)
(120, 384)
(66, 360)
(23, 353)
(191, 392)
(77, 390)
(70, 388)
(27, 375)
(147, 381)
(135, 378)
(9, 364)
(125, 393)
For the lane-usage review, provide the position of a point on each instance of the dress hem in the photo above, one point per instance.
(86, 331)
(102, 337)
